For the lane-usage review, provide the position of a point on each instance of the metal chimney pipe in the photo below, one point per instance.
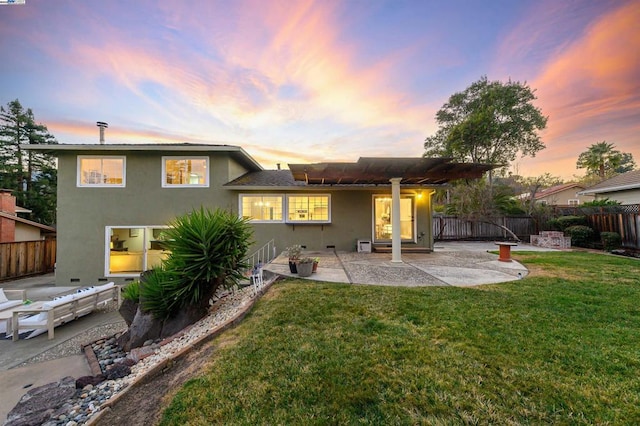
(102, 125)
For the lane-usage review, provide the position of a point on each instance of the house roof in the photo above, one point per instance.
(266, 179)
(366, 172)
(236, 152)
(556, 189)
(625, 181)
(45, 228)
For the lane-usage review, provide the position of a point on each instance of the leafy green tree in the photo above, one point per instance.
(31, 175)
(489, 122)
(604, 161)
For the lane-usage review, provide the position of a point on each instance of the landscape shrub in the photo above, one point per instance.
(132, 291)
(207, 251)
(581, 236)
(565, 222)
(610, 240)
(553, 225)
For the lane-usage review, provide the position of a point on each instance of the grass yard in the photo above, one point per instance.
(561, 346)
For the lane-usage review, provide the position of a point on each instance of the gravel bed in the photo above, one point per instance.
(121, 369)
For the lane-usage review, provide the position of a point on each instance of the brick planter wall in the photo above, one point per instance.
(551, 239)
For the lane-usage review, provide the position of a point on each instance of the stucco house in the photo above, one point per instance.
(567, 194)
(624, 188)
(14, 228)
(114, 201)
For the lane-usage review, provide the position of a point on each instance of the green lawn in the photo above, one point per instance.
(561, 346)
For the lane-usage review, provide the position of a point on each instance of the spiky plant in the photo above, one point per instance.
(207, 250)
(132, 291)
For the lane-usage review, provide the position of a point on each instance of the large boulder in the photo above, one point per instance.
(39, 404)
(145, 326)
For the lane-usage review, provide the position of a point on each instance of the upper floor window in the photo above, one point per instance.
(574, 202)
(308, 208)
(185, 172)
(104, 171)
(261, 207)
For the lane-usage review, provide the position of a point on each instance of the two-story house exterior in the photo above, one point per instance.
(114, 201)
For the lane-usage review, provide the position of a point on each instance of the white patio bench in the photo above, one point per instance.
(11, 298)
(46, 316)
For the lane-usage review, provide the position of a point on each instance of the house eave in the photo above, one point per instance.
(610, 189)
(237, 152)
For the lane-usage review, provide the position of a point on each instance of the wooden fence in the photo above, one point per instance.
(454, 228)
(625, 220)
(27, 258)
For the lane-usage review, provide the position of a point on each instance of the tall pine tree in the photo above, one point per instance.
(30, 175)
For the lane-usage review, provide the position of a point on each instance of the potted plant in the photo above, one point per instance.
(315, 264)
(294, 253)
(305, 266)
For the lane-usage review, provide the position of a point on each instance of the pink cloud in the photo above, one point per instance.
(591, 90)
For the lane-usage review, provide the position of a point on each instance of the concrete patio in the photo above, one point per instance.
(461, 264)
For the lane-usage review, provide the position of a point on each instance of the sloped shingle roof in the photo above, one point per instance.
(629, 180)
(558, 188)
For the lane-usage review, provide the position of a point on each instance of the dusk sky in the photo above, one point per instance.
(311, 81)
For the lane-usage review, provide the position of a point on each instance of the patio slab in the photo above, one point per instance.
(451, 263)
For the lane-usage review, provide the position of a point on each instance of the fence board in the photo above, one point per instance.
(454, 228)
(27, 258)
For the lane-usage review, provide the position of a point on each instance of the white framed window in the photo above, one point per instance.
(130, 250)
(262, 207)
(181, 172)
(574, 202)
(101, 171)
(307, 208)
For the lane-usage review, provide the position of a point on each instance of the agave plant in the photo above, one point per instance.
(207, 249)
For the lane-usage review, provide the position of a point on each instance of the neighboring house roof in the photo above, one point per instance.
(557, 189)
(22, 210)
(623, 182)
(236, 152)
(45, 228)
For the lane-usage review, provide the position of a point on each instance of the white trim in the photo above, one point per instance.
(306, 222)
(610, 189)
(414, 212)
(185, 157)
(262, 194)
(107, 246)
(79, 183)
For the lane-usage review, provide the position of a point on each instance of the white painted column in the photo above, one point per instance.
(396, 241)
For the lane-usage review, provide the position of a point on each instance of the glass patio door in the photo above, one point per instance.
(382, 218)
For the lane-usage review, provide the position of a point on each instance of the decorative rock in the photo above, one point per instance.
(118, 371)
(37, 405)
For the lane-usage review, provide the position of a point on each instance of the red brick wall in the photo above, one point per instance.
(7, 226)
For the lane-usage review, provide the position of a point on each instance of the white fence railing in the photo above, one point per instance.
(263, 255)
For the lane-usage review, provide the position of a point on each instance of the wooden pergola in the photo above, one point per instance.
(369, 171)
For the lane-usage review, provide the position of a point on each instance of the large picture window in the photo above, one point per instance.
(185, 172)
(309, 208)
(101, 171)
(261, 207)
(132, 250)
